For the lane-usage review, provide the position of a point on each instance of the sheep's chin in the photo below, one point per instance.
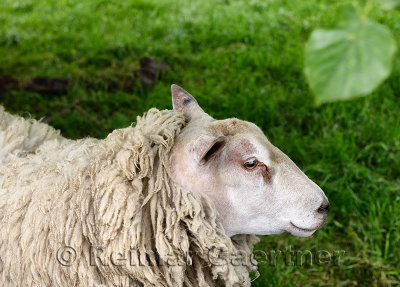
(300, 232)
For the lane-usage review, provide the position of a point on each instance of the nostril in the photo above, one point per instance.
(324, 208)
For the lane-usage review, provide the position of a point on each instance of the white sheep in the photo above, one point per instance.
(153, 204)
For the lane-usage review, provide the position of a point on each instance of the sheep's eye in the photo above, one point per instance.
(250, 163)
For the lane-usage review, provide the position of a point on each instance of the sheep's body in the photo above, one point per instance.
(109, 200)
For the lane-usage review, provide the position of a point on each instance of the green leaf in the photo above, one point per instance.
(349, 60)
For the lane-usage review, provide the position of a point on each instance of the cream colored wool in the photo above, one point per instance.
(114, 196)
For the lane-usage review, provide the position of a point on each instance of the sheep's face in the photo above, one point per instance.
(255, 187)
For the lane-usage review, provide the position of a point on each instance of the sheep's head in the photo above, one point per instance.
(255, 187)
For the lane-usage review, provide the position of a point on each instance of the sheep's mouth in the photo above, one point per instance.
(303, 229)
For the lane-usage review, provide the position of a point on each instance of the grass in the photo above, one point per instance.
(240, 59)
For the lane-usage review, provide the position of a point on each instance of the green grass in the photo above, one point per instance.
(239, 59)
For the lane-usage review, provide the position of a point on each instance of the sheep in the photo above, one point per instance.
(165, 202)
(115, 195)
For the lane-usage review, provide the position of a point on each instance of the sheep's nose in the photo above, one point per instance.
(324, 208)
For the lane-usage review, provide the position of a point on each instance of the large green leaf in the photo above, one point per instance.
(349, 60)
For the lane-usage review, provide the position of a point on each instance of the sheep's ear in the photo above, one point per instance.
(182, 100)
(205, 147)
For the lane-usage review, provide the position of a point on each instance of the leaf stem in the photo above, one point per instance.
(367, 8)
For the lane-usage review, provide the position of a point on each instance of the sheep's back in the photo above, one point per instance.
(19, 136)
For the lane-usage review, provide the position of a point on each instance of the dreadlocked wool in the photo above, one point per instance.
(106, 212)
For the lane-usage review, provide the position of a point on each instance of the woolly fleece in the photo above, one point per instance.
(114, 203)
